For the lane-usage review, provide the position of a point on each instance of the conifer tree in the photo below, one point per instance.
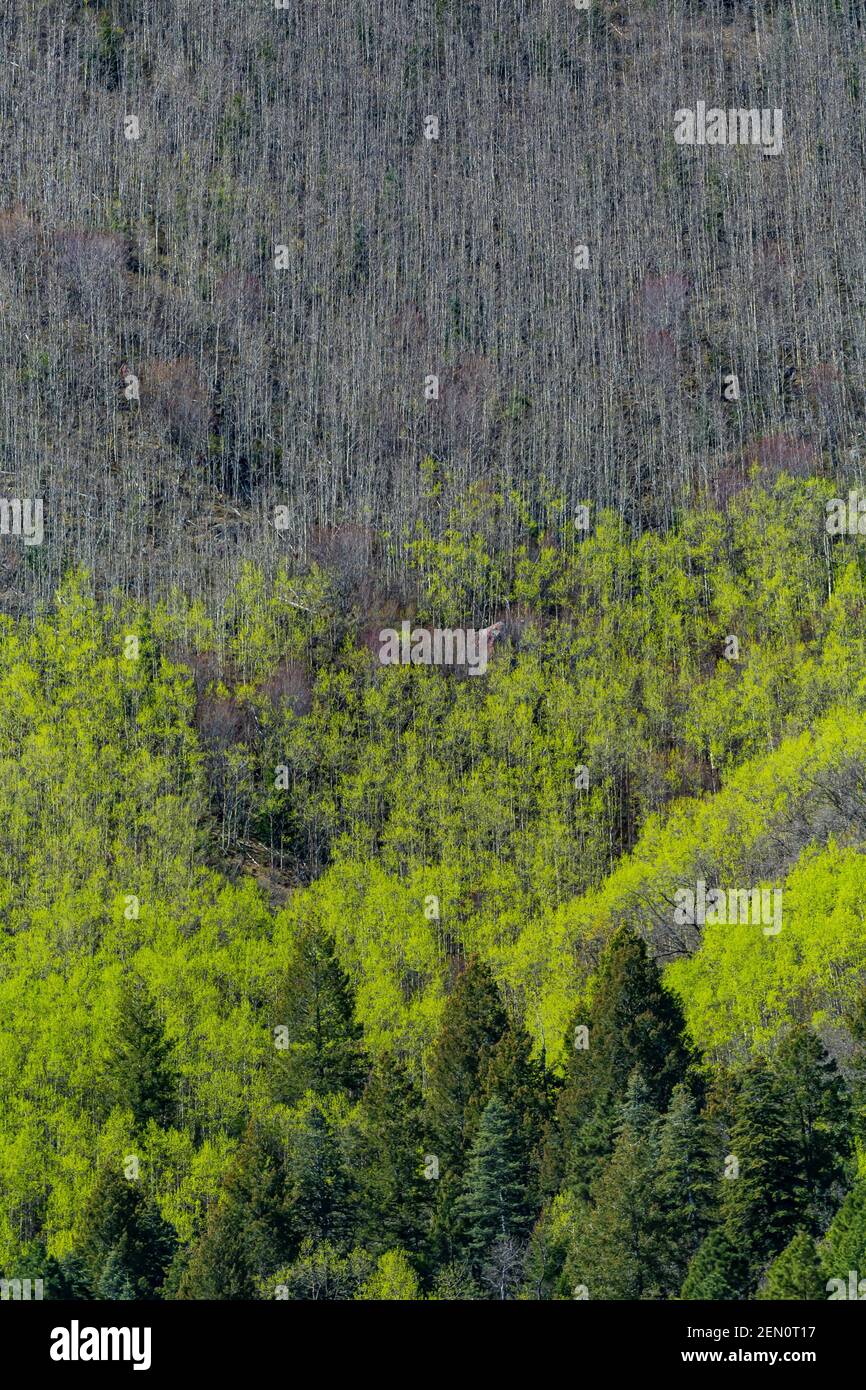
(67, 1278)
(819, 1106)
(618, 1233)
(322, 1195)
(473, 1022)
(114, 1283)
(520, 1082)
(633, 1021)
(248, 1233)
(717, 1271)
(857, 1025)
(843, 1248)
(395, 1195)
(796, 1273)
(124, 1237)
(686, 1187)
(764, 1203)
(316, 1005)
(493, 1205)
(141, 1069)
(220, 1265)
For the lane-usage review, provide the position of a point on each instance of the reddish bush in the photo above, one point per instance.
(664, 301)
(18, 238)
(782, 453)
(221, 721)
(173, 398)
(344, 551)
(242, 296)
(90, 262)
(290, 686)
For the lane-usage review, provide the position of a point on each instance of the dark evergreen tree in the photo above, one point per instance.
(220, 1266)
(124, 1233)
(633, 1021)
(857, 1025)
(322, 1194)
(819, 1105)
(248, 1231)
(764, 1204)
(618, 1235)
(717, 1271)
(473, 1022)
(493, 1205)
(141, 1070)
(67, 1278)
(843, 1249)
(395, 1195)
(114, 1283)
(520, 1082)
(321, 1050)
(64, 1278)
(176, 1270)
(686, 1187)
(796, 1273)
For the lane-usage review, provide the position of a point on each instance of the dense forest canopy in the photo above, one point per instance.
(327, 978)
(250, 873)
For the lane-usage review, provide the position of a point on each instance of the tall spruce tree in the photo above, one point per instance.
(843, 1249)
(686, 1188)
(322, 1194)
(114, 1283)
(633, 1021)
(764, 1203)
(473, 1022)
(493, 1206)
(717, 1272)
(124, 1239)
(248, 1231)
(395, 1195)
(520, 1081)
(795, 1274)
(819, 1106)
(220, 1266)
(321, 1049)
(141, 1071)
(68, 1279)
(857, 1024)
(615, 1253)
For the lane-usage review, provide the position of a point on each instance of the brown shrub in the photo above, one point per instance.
(91, 262)
(173, 399)
(290, 686)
